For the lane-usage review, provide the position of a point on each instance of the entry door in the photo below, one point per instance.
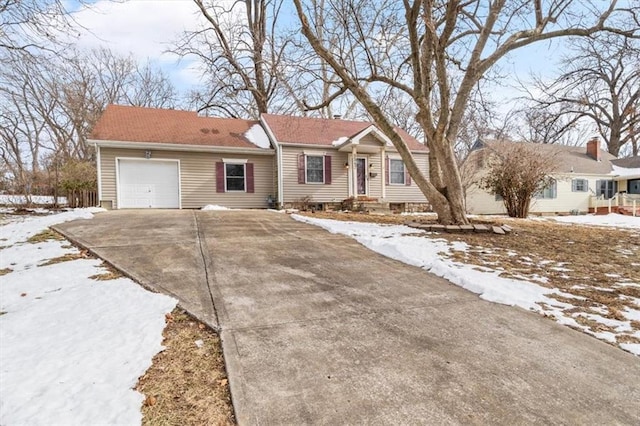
(145, 184)
(361, 164)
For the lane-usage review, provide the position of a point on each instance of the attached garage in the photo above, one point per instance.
(148, 184)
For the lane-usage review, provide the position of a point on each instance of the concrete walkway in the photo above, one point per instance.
(317, 329)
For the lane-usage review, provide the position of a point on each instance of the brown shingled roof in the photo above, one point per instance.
(137, 124)
(323, 131)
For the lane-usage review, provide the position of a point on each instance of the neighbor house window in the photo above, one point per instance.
(315, 169)
(579, 185)
(606, 187)
(549, 191)
(633, 186)
(234, 176)
(396, 172)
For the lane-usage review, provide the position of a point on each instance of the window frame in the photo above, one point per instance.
(611, 186)
(244, 176)
(306, 169)
(404, 172)
(553, 186)
(574, 185)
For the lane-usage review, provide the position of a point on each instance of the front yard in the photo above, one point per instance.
(582, 275)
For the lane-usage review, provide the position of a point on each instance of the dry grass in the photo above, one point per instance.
(187, 383)
(66, 258)
(599, 265)
(111, 273)
(5, 271)
(46, 235)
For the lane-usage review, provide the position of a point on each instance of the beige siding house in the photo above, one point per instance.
(155, 158)
(584, 176)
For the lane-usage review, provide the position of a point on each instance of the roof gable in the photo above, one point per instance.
(325, 132)
(165, 126)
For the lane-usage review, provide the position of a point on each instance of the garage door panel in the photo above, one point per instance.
(148, 184)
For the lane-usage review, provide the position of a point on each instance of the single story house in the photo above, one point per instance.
(160, 158)
(584, 180)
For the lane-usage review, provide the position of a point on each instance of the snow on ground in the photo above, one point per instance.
(613, 219)
(35, 199)
(214, 207)
(72, 347)
(257, 136)
(410, 246)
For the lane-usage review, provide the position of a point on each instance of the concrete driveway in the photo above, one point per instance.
(316, 329)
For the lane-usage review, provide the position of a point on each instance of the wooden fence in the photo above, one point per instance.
(82, 198)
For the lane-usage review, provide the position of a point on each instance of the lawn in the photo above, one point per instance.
(582, 275)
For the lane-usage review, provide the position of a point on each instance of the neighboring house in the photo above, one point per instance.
(155, 158)
(584, 177)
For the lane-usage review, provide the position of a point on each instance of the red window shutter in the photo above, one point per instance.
(301, 178)
(327, 170)
(220, 176)
(248, 170)
(407, 176)
(386, 171)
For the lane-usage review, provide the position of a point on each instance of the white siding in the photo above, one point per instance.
(481, 202)
(197, 177)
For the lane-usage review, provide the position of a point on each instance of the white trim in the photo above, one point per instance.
(306, 167)
(372, 129)
(181, 147)
(278, 147)
(117, 159)
(404, 172)
(235, 160)
(99, 167)
(244, 175)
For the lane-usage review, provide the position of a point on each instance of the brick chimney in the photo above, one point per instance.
(593, 149)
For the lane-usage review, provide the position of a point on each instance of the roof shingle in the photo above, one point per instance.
(323, 131)
(136, 124)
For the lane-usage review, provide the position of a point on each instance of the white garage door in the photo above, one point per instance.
(148, 184)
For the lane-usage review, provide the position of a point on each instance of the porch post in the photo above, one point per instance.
(354, 170)
(383, 171)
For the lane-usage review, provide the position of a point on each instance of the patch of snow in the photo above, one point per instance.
(21, 231)
(214, 207)
(257, 136)
(634, 348)
(72, 348)
(35, 199)
(340, 141)
(613, 219)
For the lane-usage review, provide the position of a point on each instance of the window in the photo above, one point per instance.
(315, 169)
(606, 187)
(579, 185)
(633, 186)
(396, 172)
(234, 177)
(549, 191)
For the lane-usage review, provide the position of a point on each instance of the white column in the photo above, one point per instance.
(349, 184)
(354, 169)
(383, 171)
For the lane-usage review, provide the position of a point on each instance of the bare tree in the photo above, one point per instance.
(515, 172)
(27, 25)
(241, 52)
(602, 83)
(440, 50)
(49, 107)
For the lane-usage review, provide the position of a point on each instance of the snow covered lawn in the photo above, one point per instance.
(605, 305)
(613, 220)
(72, 348)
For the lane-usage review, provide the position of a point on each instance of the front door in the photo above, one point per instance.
(361, 164)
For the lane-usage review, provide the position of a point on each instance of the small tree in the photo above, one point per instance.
(516, 171)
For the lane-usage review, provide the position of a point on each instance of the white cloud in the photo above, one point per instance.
(144, 28)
